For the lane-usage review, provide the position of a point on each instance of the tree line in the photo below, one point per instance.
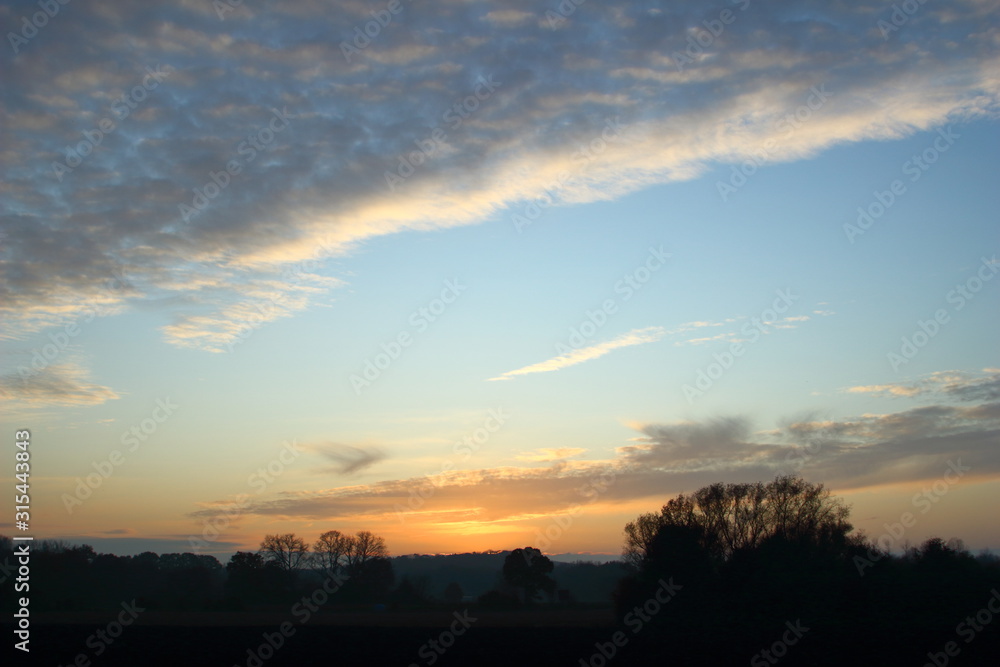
(333, 552)
(777, 569)
(749, 562)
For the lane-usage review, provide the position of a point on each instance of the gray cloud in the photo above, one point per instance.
(349, 459)
(56, 384)
(317, 188)
(904, 446)
(908, 446)
(956, 385)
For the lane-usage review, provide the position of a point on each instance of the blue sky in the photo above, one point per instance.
(253, 314)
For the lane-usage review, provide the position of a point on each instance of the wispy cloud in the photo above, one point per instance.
(707, 339)
(700, 324)
(64, 384)
(959, 385)
(891, 389)
(735, 334)
(263, 301)
(634, 337)
(547, 454)
(349, 459)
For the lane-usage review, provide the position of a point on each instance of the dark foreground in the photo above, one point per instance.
(493, 639)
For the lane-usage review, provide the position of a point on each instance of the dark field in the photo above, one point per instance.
(315, 644)
(535, 637)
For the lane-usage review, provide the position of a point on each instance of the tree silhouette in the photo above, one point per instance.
(453, 593)
(287, 550)
(330, 553)
(737, 517)
(252, 578)
(244, 561)
(369, 581)
(364, 547)
(411, 591)
(847, 597)
(528, 570)
(752, 558)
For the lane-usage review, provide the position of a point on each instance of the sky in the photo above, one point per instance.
(485, 275)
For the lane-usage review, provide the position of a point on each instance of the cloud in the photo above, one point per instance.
(509, 17)
(707, 339)
(733, 336)
(349, 459)
(263, 301)
(721, 442)
(958, 385)
(199, 133)
(64, 384)
(548, 454)
(892, 389)
(456, 497)
(909, 446)
(970, 387)
(634, 337)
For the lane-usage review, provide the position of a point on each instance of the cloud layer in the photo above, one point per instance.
(216, 161)
(915, 444)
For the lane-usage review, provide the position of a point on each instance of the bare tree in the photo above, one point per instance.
(331, 550)
(287, 550)
(364, 547)
(639, 534)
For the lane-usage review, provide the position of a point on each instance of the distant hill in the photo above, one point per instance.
(587, 579)
(585, 558)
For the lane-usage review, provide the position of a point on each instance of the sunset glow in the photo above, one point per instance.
(496, 279)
